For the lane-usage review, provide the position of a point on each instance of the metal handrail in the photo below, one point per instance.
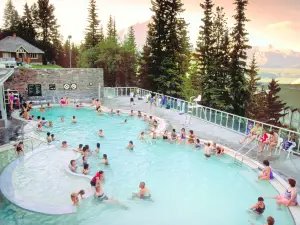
(210, 115)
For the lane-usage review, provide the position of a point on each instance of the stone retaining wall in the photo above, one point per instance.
(86, 80)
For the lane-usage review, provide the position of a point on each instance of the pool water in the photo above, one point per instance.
(185, 186)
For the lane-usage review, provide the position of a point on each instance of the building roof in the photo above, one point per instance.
(11, 44)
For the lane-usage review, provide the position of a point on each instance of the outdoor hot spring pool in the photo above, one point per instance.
(185, 186)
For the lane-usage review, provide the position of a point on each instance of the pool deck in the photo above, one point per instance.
(209, 131)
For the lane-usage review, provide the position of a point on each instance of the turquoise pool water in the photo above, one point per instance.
(186, 188)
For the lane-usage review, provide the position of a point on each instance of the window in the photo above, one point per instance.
(33, 56)
(6, 55)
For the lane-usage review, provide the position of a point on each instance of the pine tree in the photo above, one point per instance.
(144, 68)
(218, 89)
(204, 52)
(255, 103)
(111, 29)
(101, 34)
(92, 36)
(165, 39)
(26, 26)
(11, 17)
(238, 68)
(274, 109)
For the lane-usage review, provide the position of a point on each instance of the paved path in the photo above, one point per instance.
(208, 131)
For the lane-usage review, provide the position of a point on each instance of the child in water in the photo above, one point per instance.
(74, 119)
(130, 145)
(52, 137)
(131, 113)
(105, 160)
(97, 148)
(49, 137)
(125, 121)
(50, 124)
(62, 119)
(74, 197)
(64, 144)
(85, 169)
(142, 136)
(207, 150)
(101, 134)
(197, 144)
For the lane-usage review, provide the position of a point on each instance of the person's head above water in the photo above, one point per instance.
(80, 145)
(174, 130)
(98, 145)
(270, 220)
(266, 162)
(38, 117)
(48, 133)
(64, 143)
(43, 118)
(198, 140)
(131, 142)
(73, 117)
(104, 156)
(72, 162)
(142, 184)
(85, 166)
(101, 172)
(260, 199)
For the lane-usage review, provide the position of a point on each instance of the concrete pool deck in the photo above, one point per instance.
(209, 131)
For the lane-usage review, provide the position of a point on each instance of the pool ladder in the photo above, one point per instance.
(238, 162)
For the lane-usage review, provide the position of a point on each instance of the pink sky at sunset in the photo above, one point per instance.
(275, 22)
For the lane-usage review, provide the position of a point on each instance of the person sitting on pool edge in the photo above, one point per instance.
(259, 207)
(289, 198)
(64, 144)
(73, 166)
(101, 134)
(220, 150)
(99, 176)
(144, 193)
(74, 119)
(197, 143)
(267, 173)
(105, 160)
(130, 145)
(74, 197)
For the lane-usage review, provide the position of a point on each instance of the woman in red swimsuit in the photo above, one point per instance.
(263, 141)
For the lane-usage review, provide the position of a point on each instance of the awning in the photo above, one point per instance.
(5, 74)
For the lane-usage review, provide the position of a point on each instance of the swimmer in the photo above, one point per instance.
(85, 170)
(99, 111)
(130, 145)
(105, 160)
(42, 109)
(62, 119)
(131, 113)
(52, 137)
(145, 117)
(97, 148)
(64, 144)
(50, 124)
(165, 135)
(118, 112)
(32, 118)
(259, 207)
(49, 137)
(43, 122)
(154, 134)
(39, 128)
(19, 148)
(150, 120)
(79, 149)
(155, 124)
(111, 111)
(74, 197)
(267, 173)
(125, 121)
(49, 106)
(101, 134)
(191, 139)
(220, 150)
(142, 136)
(74, 119)
(197, 143)
(73, 166)
(99, 176)
(144, 193)
(39, 119)
(85, 151)
(139, 115)
(207, 150)
(99, 194)
(84, 160)
(173, 136)
(182, 136)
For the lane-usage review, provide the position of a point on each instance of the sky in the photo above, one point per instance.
(273, 22)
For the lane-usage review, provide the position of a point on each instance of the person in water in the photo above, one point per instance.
(79, 149)
(50, 124)
(191, 139)
(73, 166)
(142, 136)
(182, 136)
(101, 134)
(62, 119)
(86, 170)
(49, 137)
(52, 137)
(125, 121)
(44, 122)
(173, 136)
(74, 197)
(49, 106)
(42, 109)
(270, 221)
(105, 160)
(99, 194)
(97, 148)
(289, 198)
(99, 176)
(165, 135)
(74, 119)
(118, 112)
(207, 150)
(64, 144)
(39, 128)
(139, 115)
(259, 207)
(130, 145)
(131, 113)
(267, 173)
(84, 160)
(19, 148)
(144, 192)
(220, 150)
(197, 143)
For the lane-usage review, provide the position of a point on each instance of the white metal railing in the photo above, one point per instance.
(226, 120)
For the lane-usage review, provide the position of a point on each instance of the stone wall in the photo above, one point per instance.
(86, 80)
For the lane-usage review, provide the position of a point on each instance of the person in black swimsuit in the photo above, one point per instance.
(165, 135)
(259, 207)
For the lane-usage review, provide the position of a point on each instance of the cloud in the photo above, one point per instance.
(285, 25)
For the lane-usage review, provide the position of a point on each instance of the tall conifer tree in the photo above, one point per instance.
(26, 26)
(238, 68)
(11, 17)
(92, 36)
